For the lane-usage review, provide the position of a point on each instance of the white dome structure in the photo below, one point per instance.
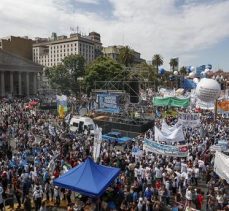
(208, 90)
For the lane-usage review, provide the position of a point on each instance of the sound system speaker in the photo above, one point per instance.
(134, 91)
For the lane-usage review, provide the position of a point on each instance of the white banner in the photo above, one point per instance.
(97, 142)
(176, 136)
(221, 165)
(167, 92)
(162, 149)
(167, 129)
(205, 105)
(189, 120)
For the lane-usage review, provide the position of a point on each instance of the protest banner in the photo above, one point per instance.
(108, 103)
(163, 149)
(166, 129)
(189, 119)
(169, 137)
(221, 165)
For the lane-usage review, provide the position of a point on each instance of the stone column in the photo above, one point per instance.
(11, 83)
(35, 83)
(2, 84)
(19, 83)
(27, 83)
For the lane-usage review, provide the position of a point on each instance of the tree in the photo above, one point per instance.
(183, 70)
(59, 78)
(126, 56)
(64, 76)
(103, 69)
(173, 63)
(157, 61)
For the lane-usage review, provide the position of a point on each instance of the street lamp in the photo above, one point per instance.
(80, 79)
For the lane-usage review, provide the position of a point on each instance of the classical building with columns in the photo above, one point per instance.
(18, 76)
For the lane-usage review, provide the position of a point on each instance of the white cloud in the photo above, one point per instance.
(148, 26)
(87, 1)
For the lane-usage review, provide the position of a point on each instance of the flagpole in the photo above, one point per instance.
(215, 114)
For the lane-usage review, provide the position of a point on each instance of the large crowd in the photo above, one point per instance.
(36, 147)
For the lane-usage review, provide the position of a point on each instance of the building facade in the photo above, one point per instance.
(50, 52)
(21, 46)
(113, 53)
(18, 76)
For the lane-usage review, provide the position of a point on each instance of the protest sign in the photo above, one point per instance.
(189, 119)
(168, 150)
(169, 137)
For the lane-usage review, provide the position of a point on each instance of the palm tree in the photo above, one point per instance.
(126, 56)
(183, 71)
(173, 63)
(157, 61)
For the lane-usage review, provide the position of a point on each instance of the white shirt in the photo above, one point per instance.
(188, 195)
(183, 167)
(197, 172)
(158, 173)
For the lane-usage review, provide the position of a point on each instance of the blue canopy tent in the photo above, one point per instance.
(89, 178)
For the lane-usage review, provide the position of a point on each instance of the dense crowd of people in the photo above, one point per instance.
(36, 147)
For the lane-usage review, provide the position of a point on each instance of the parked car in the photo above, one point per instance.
(116, 137)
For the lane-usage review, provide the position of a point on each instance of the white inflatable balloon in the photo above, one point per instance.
(175, 73)
(192, 75)
(208, 90)
(192, 68)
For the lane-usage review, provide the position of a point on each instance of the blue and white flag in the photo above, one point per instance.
(136, 151)
(52, 130)
(97, 142)
(67, 119)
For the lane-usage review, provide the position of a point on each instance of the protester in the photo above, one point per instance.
(40, 147)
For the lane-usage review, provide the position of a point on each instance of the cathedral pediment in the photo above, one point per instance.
(9, 61)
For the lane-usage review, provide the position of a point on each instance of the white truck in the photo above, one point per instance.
(82, 124)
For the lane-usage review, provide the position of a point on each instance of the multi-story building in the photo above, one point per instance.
(113, 52)
(21, 46)
(50, 52)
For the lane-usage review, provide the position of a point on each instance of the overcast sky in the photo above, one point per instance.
(196, 31)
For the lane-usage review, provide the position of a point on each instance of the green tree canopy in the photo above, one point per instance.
(64, 76)
(173, 63)
(183, 71)
(59, 78)
(126, 56)
(104, 69)
(147, 72)
(157, 61)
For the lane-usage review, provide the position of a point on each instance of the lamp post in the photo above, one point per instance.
(80, 79)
